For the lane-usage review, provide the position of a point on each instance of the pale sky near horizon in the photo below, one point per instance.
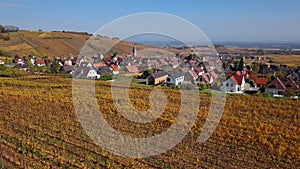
(220, 20)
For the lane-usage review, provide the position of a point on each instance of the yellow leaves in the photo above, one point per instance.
(43, 109)
(22, 46)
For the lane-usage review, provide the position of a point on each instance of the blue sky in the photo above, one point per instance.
(220, 20)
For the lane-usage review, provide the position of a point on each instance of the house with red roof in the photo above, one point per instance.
(191, 76)
(214, 75)
(100, 64)
(19, 60)
(235, 83)
(200, 71)
(261, 82)
(206, 79)
(279, 87)
(115, 69)
(40, 62)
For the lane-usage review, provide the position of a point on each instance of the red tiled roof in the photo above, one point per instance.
(235, 80)
(229, 74)
(206, 78)
(236, 77)
(261, 81)
(193, 74)
(208, 68)
(115, 67)
(214, 75)
(277, 84)
(40, 61)
(199, 70)
(290, 82)
(101, 64)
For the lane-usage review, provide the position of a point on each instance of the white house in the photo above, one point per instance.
(175, 79)
(87, 72)
(68, 63)
(234, 84)
(32, 60)
(92, 74)
(1, 62)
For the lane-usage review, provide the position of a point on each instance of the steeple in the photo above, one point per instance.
(134, 53)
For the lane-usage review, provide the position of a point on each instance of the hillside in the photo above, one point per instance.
(46, 133)
(56, 44)
(43, 43)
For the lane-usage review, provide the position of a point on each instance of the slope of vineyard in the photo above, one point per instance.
(58, 44)
(40, 129)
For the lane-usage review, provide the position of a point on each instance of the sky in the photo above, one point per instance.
(220, 20)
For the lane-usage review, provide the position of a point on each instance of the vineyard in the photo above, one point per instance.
(40, 129)
(60, 44)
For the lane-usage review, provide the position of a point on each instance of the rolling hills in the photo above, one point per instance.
(57, 44)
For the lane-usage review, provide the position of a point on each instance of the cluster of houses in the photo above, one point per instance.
(192, 70)
(239, 82)
(20, 62)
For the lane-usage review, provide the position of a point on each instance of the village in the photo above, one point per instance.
(221, 72)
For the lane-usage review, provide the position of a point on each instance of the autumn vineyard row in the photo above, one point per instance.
(40, 129)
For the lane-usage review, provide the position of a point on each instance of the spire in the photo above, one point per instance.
(134, 53)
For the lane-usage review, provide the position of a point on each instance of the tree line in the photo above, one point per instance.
(10, 28)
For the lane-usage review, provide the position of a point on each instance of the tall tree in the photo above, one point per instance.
(2, 30)
(241, 64)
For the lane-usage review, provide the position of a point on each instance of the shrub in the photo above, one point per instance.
(106, 78)
(265, 95)
(5, 37)
(11, 72)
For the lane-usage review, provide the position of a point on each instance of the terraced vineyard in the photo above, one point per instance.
(40, 129)
(53, 44)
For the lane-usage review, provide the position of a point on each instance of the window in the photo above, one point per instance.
(227, 84)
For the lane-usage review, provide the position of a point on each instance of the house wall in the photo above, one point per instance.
(175, 81)
(243, 84)
(40, 65)
(155, 81)
(179, 80)
(160, 80)
(273, 91)
(93, 74)
(230, 86)
(233, 87)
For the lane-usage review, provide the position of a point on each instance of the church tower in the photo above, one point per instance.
(134, 53)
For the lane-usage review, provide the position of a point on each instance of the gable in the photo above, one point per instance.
(276, 84)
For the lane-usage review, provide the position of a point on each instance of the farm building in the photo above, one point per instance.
(157, 78)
